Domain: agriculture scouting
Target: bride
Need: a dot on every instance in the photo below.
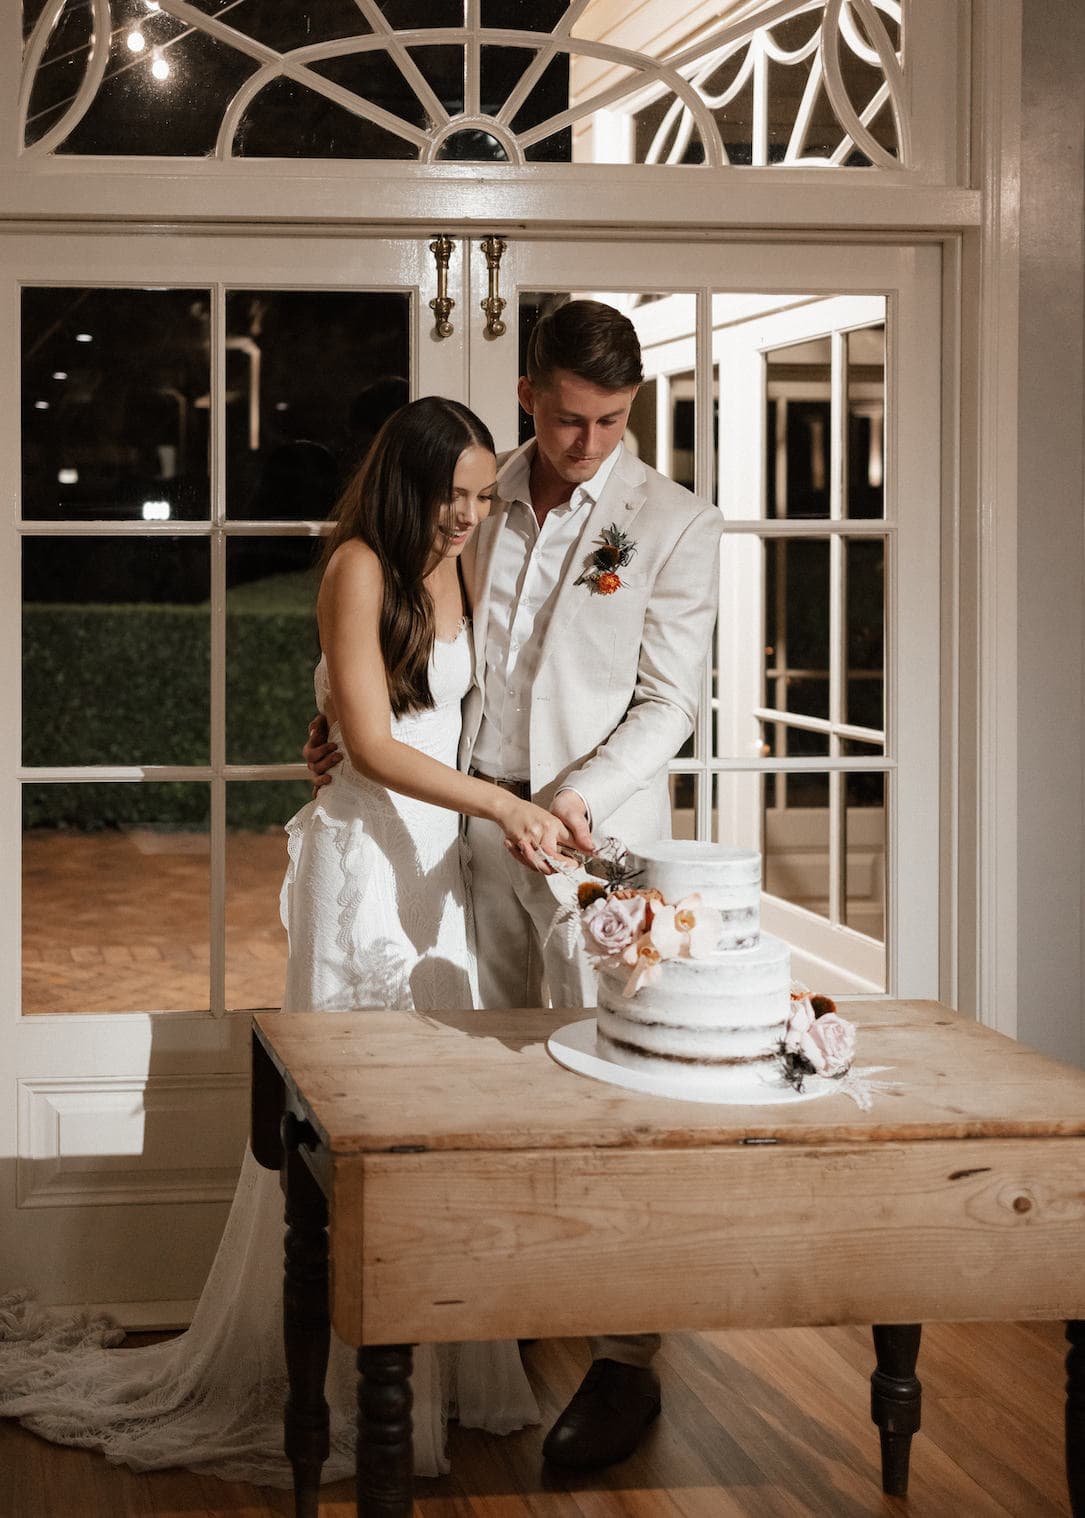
(377, 915)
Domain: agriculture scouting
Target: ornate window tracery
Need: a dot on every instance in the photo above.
(799, 83)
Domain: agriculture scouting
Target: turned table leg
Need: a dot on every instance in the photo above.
(385, 1456)
(1075, 1416)
(895, 1400)
(306, 1328)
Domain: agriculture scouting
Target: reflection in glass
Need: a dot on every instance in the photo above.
(865, 623)
(796, 627)
(115, 898)
(287, 120)
(310, 377)
(116, 651)
(271, 647)
(736, 808)
(114, 404)
(471, 145)
(523, 15)
(865, 848)
(256, 814)
(683, 805)
(62, 67)
(865, 473)
(796, 841)
(798, 434)
(165, 90)
(376, 77)
(299, 24)
(406, 15)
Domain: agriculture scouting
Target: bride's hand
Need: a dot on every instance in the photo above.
(531, 832)
(320, 756)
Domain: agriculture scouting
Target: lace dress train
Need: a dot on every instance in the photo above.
(376, 908)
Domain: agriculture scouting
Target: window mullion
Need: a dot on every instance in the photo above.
(703, 471)
(217, 904)
(838, 455)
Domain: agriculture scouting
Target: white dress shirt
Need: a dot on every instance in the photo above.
(529, 564)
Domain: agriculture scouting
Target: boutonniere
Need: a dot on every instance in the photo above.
(614, 553)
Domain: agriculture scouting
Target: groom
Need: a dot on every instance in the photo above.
(594, 587)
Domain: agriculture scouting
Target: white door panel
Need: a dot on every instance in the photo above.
(714, 311)
(122, 1133)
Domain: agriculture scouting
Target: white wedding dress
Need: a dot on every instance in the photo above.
(376, 908)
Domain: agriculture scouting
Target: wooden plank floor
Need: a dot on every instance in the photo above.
(755, 1425)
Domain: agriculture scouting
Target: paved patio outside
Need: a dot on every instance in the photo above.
(118, 921)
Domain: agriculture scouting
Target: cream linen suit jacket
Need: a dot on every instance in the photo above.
(619, 676)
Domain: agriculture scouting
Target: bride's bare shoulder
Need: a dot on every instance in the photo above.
(353, 557)
(352, 585)
(353, 569)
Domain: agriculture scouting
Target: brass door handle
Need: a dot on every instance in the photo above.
(441, 306)
(493, 305)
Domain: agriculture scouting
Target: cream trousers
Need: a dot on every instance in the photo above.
(524, 961)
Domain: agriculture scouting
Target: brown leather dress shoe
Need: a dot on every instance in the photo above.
(606, 1418)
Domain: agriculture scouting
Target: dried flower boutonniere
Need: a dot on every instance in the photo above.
(613, 553)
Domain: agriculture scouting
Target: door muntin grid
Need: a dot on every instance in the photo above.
(167, 670)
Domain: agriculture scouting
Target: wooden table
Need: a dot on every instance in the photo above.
(478, 1190)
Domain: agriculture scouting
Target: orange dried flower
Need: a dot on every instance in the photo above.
(588, 891)
(607, 583)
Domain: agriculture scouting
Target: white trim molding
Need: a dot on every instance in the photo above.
(987, 958)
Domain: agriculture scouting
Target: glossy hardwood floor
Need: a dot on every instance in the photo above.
(755, 1425)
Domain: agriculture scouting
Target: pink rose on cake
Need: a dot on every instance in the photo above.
(830, 1045)
(817, 1041)
(612, 923)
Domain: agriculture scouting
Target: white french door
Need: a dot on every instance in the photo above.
(799, 387)
(188, 404)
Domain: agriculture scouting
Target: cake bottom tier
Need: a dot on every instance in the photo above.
(662, 1046)
(745, 1073)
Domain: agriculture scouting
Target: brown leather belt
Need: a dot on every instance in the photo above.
(521, 788)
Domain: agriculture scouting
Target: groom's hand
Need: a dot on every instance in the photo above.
(320, 756)
(569, 807)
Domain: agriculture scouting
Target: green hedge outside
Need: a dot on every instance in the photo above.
(129, 684)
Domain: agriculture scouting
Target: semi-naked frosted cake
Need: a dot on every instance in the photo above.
(688, 984)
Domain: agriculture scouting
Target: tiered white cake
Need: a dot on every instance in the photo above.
(712, 1021)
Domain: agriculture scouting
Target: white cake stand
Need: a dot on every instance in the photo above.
(574, 1047)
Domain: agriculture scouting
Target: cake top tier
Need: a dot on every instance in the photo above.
(723, 876)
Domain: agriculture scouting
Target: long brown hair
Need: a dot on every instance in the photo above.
(394, 503)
